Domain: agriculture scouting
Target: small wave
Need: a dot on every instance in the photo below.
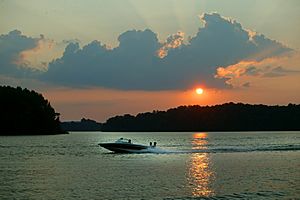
(244, 195)
(281, 148)
(250, 149)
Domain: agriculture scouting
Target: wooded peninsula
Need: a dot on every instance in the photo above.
(25, 112)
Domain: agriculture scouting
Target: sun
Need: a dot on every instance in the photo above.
(199, 91)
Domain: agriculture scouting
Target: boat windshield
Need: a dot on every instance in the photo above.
(123, 140)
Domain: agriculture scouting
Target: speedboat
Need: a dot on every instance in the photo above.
(124, 145)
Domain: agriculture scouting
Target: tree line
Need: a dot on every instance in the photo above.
(225, 117)
(82, 125)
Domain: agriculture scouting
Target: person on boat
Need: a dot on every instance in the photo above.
(121, 140)
(150, 144)
(154, 145)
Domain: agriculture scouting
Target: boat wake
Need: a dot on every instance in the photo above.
(158, 150)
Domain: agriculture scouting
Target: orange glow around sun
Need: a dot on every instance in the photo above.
(199, 91)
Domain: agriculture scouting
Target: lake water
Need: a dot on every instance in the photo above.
(240, 165)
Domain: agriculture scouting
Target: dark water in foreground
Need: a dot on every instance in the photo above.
(245, 165)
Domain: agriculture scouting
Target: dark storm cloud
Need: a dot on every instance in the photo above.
(136, 64)
(11, 45)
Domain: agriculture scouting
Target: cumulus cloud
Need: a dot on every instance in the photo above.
(36, 58)
(173, 41)
(23, 56)
(287, 65)
(132, 64)
(223, 41)
(11, 46)
(141, 62)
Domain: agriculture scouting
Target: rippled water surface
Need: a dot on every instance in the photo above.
(244, 165)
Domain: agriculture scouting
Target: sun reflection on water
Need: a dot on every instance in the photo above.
(200, 172)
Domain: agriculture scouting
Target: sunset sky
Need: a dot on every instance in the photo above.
(101, 58)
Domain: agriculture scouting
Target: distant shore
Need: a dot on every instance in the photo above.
(228, 117)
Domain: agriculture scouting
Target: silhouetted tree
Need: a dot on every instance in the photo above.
(24, 112)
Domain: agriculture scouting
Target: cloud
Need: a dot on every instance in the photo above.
(36, 58)
(279, 71)
(173, 41)
(247, 84)
(11, 45)
(223, 41)
(133, 64)
(24, 56)
(287, 65)
(141, 62)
